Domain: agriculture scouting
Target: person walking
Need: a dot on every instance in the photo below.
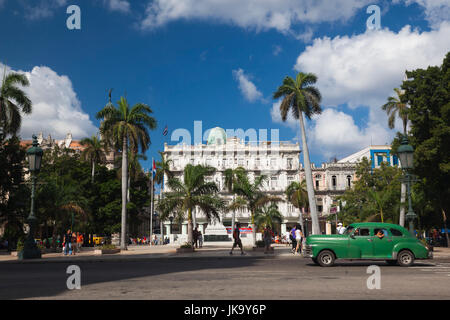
(195, 237)
(67, 244)
(298, 239)
(340, 229)
(267, 239)
(74, 243)
(293, 241)
(200, 239)
(237, 239)
(79, 242)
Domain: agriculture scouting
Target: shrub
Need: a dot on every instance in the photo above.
(108, 247)
(186, 246)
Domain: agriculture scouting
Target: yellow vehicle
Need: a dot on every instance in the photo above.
(98, 240)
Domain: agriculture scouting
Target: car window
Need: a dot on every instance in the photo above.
(396, 233)
(385, 232)
(362, 232)
(348, 230)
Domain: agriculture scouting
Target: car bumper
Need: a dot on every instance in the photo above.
(307, 252)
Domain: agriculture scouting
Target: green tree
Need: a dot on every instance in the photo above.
(300, 96)
(230, 181)
(427, 92)
(268, 216)
(194, 191)
(297, 195)
(95, 152)
(126, 127)
(13, 101)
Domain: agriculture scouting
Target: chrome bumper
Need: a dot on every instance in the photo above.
(307, 252)
(430, 254)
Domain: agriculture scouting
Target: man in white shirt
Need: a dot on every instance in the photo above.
(340, 229)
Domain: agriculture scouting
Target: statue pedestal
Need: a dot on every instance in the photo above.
(216, 231)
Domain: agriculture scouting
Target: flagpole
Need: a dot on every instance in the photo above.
(151, 206)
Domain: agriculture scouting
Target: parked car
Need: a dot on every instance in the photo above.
(394, 244)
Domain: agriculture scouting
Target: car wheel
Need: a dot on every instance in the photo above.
(326, 258)
(391, 262)
(405, 258)
(315, 261)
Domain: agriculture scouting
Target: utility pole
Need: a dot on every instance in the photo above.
(151, 204)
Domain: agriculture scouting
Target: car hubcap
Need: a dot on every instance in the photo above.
(326, 259)
(406, 259)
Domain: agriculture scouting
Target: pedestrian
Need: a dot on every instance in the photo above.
(200, 239)
(292, 238)
(237, 239)
(74, 242)
(298, 238)
(79, 242)
(267, 239)
(340, 229)
(195, 237)
(67, 244)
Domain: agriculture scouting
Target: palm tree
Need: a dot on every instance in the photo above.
(127, 127)
(13, 101)
(194, 191)
(395, 107)
(95, 152)
(230, 180)
(297, 195)
(268, 215)
(299, 96)
(163, 169)
(253, 194)
(134, 168)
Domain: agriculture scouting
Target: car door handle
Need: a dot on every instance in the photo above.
(370, 240)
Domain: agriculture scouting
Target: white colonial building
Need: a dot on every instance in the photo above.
(277, 160)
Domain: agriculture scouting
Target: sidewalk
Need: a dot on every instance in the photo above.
(209, 250)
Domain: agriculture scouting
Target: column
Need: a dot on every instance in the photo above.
(283, 228)
(328, 227)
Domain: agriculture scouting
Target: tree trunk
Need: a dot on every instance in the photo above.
(309, 181)
(444, 216)
(300, 220)
(93, 171)
(402, 205)
(190, 229)
(253, 229)
(123, 240)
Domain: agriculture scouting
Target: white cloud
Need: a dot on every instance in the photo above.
(277, 50)
(276, 116)
(118, 5)
(56, 108)
(436, 11)
(362, 71)
(255, 14)
(248, 88)
(42, 9)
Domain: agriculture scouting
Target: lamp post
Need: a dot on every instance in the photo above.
(406, 155)
(34, 155)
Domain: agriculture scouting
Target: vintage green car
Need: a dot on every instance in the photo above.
(367, 241)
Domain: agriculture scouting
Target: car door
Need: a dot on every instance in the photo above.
(361, 244)
(382, 247)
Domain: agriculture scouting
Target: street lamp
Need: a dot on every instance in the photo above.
(30, 249)
(406, 155)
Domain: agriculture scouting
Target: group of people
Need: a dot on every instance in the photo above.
(296, 237)
(197, 238)
(72, 243)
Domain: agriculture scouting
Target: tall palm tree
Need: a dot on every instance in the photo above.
(395, 107)
(194, 191)
(297, 195)
(163, 169)
(134, 167)
(268, 215)
(300, 96)
(13, 101)
(95, 152)
(254, 195)
(128, 127)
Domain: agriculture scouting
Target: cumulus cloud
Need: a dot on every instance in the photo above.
(255, 14)
(436, 11)
(247, 87)
(56, 108)
(361, 71)
(276, 116)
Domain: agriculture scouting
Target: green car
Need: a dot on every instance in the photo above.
(367, 241)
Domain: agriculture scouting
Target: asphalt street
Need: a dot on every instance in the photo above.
(225, 278)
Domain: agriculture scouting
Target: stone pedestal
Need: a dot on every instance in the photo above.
(216, 231)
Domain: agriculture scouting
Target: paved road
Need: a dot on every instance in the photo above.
(236, 277)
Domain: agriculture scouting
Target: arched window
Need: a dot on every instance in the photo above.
(333, 181)
(349, 181)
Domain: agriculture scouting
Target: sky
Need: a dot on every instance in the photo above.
(219, 62)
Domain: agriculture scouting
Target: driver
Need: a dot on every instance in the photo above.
(380, 234)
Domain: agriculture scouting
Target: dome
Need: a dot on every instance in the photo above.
(217, 136)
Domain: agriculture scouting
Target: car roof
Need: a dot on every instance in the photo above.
(378, 225)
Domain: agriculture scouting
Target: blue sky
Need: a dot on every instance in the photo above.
(219, 62)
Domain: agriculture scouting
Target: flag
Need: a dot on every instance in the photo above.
(166, 131)
(153, 169)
